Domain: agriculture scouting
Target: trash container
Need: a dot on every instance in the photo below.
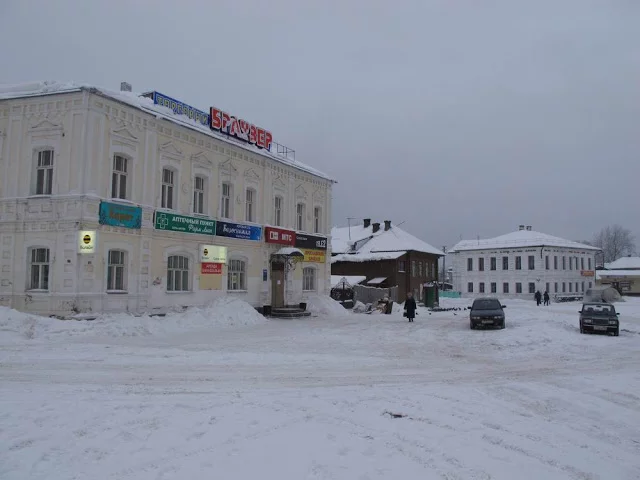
(430, 296)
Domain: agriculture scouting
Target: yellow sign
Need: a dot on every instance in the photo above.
(314, 256)
(213, 254)
(87, 241)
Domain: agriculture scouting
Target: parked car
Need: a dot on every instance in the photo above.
(599, 317)
(486, 312)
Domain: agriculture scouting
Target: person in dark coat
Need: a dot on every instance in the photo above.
(410, 307)
(538, 297)
(546, 298)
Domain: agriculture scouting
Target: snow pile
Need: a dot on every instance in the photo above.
(325, 305)
(222, 312)
(359, 307)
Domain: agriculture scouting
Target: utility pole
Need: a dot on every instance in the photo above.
(444, 266)
(349, 223)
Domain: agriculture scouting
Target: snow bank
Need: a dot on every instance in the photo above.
(359, 307)
(222, 312)
(325, 305)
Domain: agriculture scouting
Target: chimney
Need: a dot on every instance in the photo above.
(521, 227)
(387, 225)
(528, 228)
(367, 222)
(376, 227)
(125, 87)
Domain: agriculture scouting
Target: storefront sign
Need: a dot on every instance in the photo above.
(211, 268)
(179, 107)
(182, 223)
(314, 256)
(238, 230)
(87, 241)
(587, 273)
(304, 240)
(118, 215)
(213, 254)
(279, 236)
(265, 275)
(240, 129)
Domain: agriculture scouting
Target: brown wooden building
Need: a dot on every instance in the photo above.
(387, 256)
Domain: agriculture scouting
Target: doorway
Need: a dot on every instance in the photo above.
(277, 284)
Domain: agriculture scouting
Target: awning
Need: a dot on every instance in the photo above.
(376, 281)
(290, 252)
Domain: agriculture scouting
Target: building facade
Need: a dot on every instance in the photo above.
(520, 263)
(386, 255)
(622, 274)
(113, 202)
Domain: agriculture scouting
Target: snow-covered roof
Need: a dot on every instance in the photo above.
(519, 239)
(366, 244)
(350, 279)
(628, 263)
(617, 273)
(290, 252)
(42, 88)
(366, 257)
(376, 281)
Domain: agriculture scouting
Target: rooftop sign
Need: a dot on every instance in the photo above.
(240, 129)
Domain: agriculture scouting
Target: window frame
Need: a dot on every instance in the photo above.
(37, 168)
(518, 287)
(494, 287)
(301, 214)
(226, 200)
(127, 173)
(168, 191)
(184, 274)
(481, 287)
(531, 262)
(470, 264)
(203, 193)
(402, 266)
(250, 205)
(43, 280)
(115, 266)
(317, 219)
(242, 273)
(470, 287)
(532, 287)
(505, 263)
(305, 278)
(518, 263)
(547, 263)
(278, 207)
(493, 264)
(505, 287)
(481, 264)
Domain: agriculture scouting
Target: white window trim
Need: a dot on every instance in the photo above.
(315, 278)
(320, 226)
(282, 210)
(205, 200)
(303, 227)
(190, 275)
(33, 185)
(255, 204)
(246, 273)
(32, 246)
(129, 184)
(231, 199)
(127, 269)
(174, 190)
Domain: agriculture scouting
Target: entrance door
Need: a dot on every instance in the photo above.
(277, 284)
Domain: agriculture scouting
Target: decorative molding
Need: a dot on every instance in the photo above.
(170, 151)
(279, 184)
(46, 126)
(301, 192)
(251, 176)
(319, 195)
(201, 159)
(228, 168)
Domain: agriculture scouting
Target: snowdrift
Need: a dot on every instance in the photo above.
(222, 312)
(325, 305)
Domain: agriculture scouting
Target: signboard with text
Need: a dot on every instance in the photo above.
(211, 268)
(183, 223)
(279, 236)
(240, 129)
(304, 240)
(87, 241)
(587, 273)
(239, 231)
(118, 215)
(213, 253)
(314, 256)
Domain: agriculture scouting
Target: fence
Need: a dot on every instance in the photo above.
(449, 294)
(366, 294)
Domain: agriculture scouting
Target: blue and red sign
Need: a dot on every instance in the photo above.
(239, 231)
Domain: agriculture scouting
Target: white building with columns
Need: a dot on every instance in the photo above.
(111, 201)
(520, 263)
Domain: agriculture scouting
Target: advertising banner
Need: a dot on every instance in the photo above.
(304, 240)
(211, 268)
(185, 224)
(213, 254)
(279, 236)
(239, 231)
(87, 241)
(118, 215)
(314, 256)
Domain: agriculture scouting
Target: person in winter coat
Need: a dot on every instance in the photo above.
(546, 298)
(538, 297)
(410, 307)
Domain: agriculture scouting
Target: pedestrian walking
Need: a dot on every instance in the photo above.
(538, 297)
(410, 307)
(546, 298)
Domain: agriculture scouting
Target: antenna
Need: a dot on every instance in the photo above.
(349, 223)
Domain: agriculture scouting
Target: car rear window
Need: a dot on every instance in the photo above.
(598, 309)
(486, 305)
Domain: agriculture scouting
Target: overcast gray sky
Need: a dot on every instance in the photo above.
(462, 118)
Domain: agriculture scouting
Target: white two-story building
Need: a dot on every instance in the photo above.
(520, 263)
(112, 201)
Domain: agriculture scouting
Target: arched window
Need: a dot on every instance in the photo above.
(250, 205)
(116, 271)
(200, 195)
(120, 177)
(226, 204)
(300, 217)
(237, 275)
(309, 279)
(39, 266)
(277, 211)
(178, 273)
(169, 181)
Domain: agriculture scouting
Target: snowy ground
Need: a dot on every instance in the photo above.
(306, 399)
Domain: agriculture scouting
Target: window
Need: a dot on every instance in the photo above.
(589, 263)
(44, 173)
(300, 217)
(178, 274)
(564, 263)
(119, 177)
(250, 215)
(413, 268)
(518, 287)
(493, 263)
(518, 262)
(570, 263)
(199, 195)
(481, 287)
(570, 287)
(39, 269)
(494, 287)
(576, 290)
(532, 287)
(308, 279)
(168, 185)
(401, 266)
(532, 262)
(582, 287)
(236, 275)
(555, 262)
(469, 264)
(470, 287)
(564, 287)
(505, 263)
(555, 287)
(546, 263)
(420, 269)
(481, 264)
(582, 263)
(590, 284)
(116, 269)
(505, 287)
(277, 211)
(317, 219)
(225, 200)
(546, 287)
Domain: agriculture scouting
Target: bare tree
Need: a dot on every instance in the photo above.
(615, 242)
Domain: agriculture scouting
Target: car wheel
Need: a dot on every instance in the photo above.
(617, 332)
(581, 330)
(502, 327)
(472, 326)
